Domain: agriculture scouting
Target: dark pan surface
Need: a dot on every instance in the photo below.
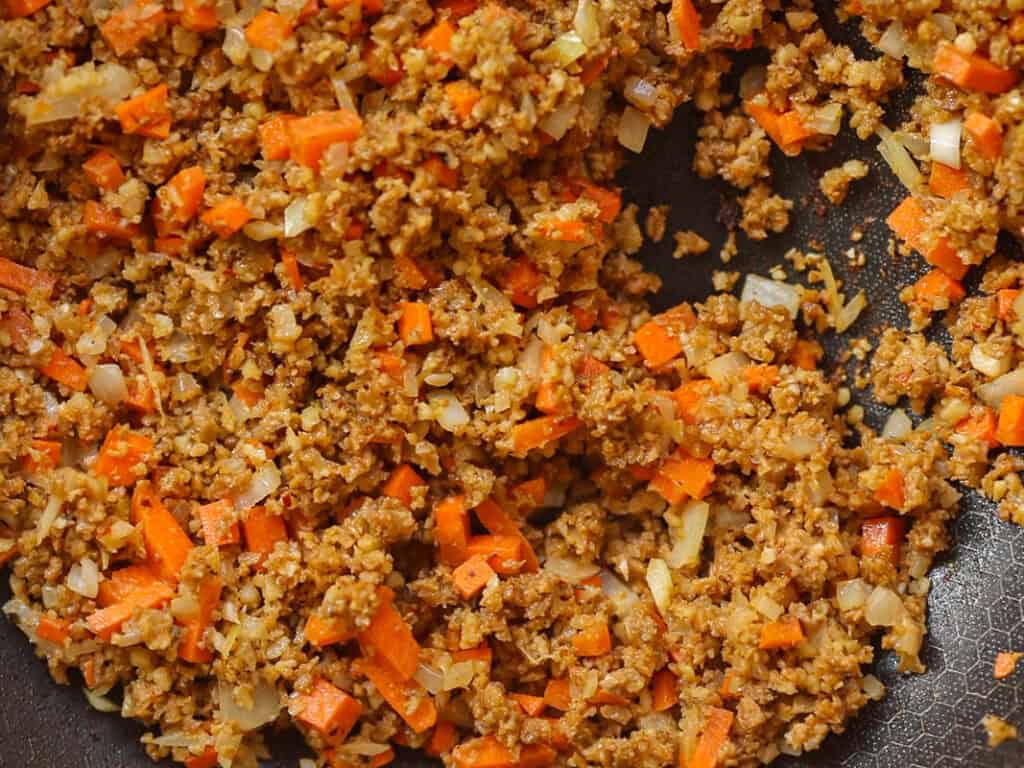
(976, 606)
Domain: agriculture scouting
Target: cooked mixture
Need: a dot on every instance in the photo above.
(331, 397)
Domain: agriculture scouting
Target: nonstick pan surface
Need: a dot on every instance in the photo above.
(976, 605)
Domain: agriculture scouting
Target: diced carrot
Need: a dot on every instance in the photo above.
(986, 134)
(19, 9)
(972, 71)
(178, 201)
(321, 631)
(557, 694)
(382, 758)
(1005, 664)
(456, 9)
(146, 114)
(401, 482)
(891, 492)
(132, 25)
(311, 136)
(414, 324)
(208, 759)
(657, 340)
(399, 694)
(443, 175)
(1005, 299)
(806, 354)
(784, 633)
(439, 39)
(531, 492)
(122, 582)
(585, 318)
(547, 399)
(380, 69)
(771, 120)
(442, 740)
(936, 289)
(167, 545)
(329, 710)
(594, 640)
(521, 282)
(226, 217)
(727, 689)
(531, 705)
(54, 630)
(275, 139)
(43, 455)
(536, 756)
(211, 518)
(172, 245)
(609, 201)
(714, 736)
(792, 130)
(463, 97)
(981, 426)
(106, 621)
(25, 280)
(882, 537)
(606, 698)
(681, 477)
(390, 639)
(483, 752)
(103, 222)
(408, 273)
(946, 181)
(193, 647)
(664, 690)
(481, 654)
(592, 69)
(536, 433)
(268, 30)
(503, 552)
(472, 576)
(1016, 30)
(122, 453)
(1010, 431)
(263, 530)
(103, 170)
(690, 396)
(198, 16)
(563, 231)
(761, 378)
(687, 22)
(451, 529)
(496, 521)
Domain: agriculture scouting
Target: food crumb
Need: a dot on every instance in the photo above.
(654, 224)
(998, 730)
(729, 249)
(835, 182)
(724, 281)
(1006, 664)
(689, 243)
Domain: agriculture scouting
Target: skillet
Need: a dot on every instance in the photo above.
(976, 604)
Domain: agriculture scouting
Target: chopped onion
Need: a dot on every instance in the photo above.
(771, 293)
(874, 689)
(530, 358)
(108, 384)
(266, 704)
(64, 96)
(850, 312)
(100, 703)
(263, 230)
(84, 578)
(945, 143)
(447, 410)
(342, 94)
(688, 534)
(883, 608)
(48, 517)
(633, 128)
(430, 678)
(640, 93)
(1011, 383)
(826, 120)
(558, 123)
(798, 447)
(264, 482)
(899, 160)
(659, 581)
(459, 675)
(184, 386)
(261, 59)
(586, 23)
(569, 569)
(507, 320)
(235, 46)
(726, 367)
(852, 594)
(622, 598)
(945, 24)
(297, 218)
(984, 363)
(917, 145)
(752, 81)
(657, 721)
(898, 426)
(766, 606)
(893, 41)
(567, 48)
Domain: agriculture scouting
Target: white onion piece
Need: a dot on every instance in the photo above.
(1011, 383)
(297, 218)
(850, 312)
(946, 25)
(558, 123)
(530, 358)
(622, 598)
(659, 581)
(447, 410)
(633, 128)
(874, 689)
(430, 678)
(261, 59)
(263, 230)
(84, 578)
(899, 160)
(48, 517)
(826, 120)
(459, 675)
(945, 142)
(917, 145)
(569, 569)
(726, 367)
(108, 384)
(66, 94)
(264, 482)
(898, 426)
(657, 721)
(567, 48)
(688, 534)
(266, 704)
(893, 41)
(984, 363)
(766, 606)
(771, 293)
(883, 608)
(752, 82)
(235, 46)
(342, 94)
(852, 594)
(798, 447)
(640, 93)
(586, 23)
(100, 703)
